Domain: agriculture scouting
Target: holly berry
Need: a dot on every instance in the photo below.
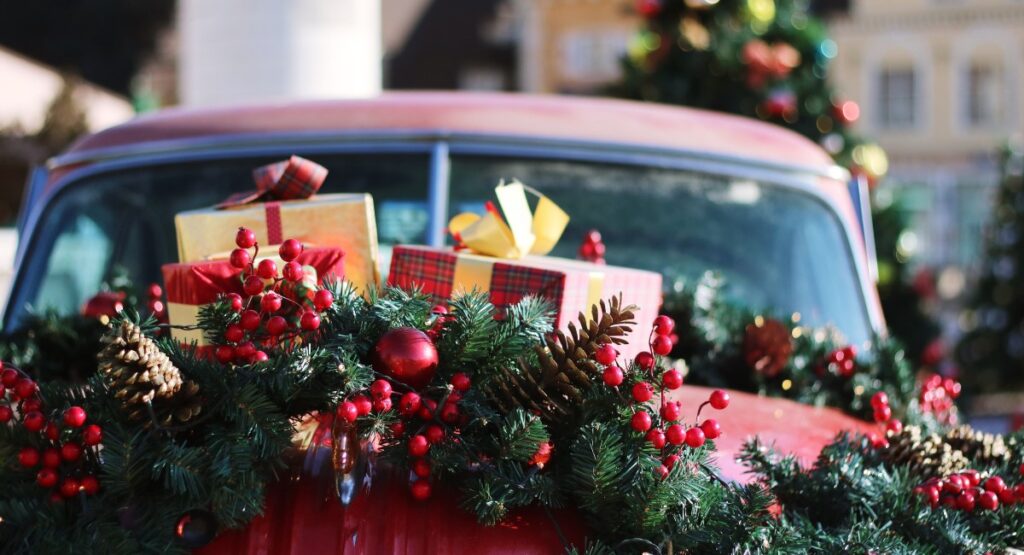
(879, 400)
(69, 487)
(28, 457)
(421, 467)
(382, 405)
(363, 404)
(51, 457)
(662, 471)
(34, 421)
(9, 377)
(894, 426)
(644, 360)
(995, 484)
(883, 414)
(435, 434)
(612, 376)
(74, 417)
(52, 432)
(642, 392)
(672, 379)
(277, 325)
(266, 269)
(1019, 492)
(675, 434)
(70, 452)
(245, 351)
(90, 485)
(427, 409)
(6, 414)
(348, 411)
(46, 478)
(420, 490)
(670, 412)
(878, 441)
(973, 477)
(965, 501)
(260, 356)
(695, 437)
(250, 320)
(719, 399)
(711, 428)
(25, 388)
(245, 238)
(92, 435)
(409, 404)
(29, 405)
(235, 301)
(398, 428)
(290, 250)
(671, 460)
(309, 321)
(988, 501)
(224, 354)
(1007, 497)
(450, 413)
(418, 445)
(293, 271)
(656, 438)
(1021, 469)
(931, 494)
(323, 299)
(271, 302)
(641, 421)
(380, 389)
(662, 345)
(605, 354)
(461, 382)
(240, 258)
(234, 333)
(953, 485)
(663, 325)
(252, 286)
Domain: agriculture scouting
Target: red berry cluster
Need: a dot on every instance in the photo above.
(277, 307)
(966, 491)
(883, 415)
(663, 430)
(840, 362)
(937, 397)
(441, 317)
(59, 447)
(592, 249)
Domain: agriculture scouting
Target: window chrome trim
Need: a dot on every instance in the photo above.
(441, 148)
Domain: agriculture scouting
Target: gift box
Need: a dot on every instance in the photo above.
(190, 285)
(571, 286)
(284, 206)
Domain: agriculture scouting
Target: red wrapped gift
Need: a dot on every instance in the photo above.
(190, 285)
(572, 286)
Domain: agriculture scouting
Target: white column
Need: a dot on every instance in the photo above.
(244, 51)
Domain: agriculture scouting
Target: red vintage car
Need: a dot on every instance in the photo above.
(674, 190)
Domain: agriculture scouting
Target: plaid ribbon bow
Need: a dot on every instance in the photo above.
(294, 178)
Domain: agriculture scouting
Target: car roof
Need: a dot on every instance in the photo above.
(583, 119)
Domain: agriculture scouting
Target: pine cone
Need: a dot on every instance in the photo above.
(767, 346)
(139, 373)
(565, 369)
(926, 457)
(978, 446)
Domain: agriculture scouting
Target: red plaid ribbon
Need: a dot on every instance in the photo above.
(294, 178)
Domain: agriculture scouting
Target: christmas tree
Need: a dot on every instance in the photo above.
(992, 353)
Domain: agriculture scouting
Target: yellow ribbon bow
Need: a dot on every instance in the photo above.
(521, 232)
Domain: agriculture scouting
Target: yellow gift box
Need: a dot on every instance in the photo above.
(344, 221)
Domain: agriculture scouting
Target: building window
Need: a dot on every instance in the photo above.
(897, 101)
(593, 55)
(984, 98)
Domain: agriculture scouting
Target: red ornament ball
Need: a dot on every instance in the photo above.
(675, 434)
(641, 421)
(90, 485)
(418, 445)
(240, 258)
(46, 478)
(92, 435)
(245, 238)
(719, 399)
(348, 411)
(6, 414)
(642, 392)
(662, 345)
(644, 360)
(323, 299)
(988, 501)
(74, 417)
(309, 321)
(271, 302)
(28, 457)
(711, 428)
(71, 452)
(406, 355)
(420, 490)
(663, 325)
(461, 382)
(694, 437)
(51, 457)
(252, 286)
(34, 421)
(612, 376)
(671, 412)
(672, 379)
(605, 354)
(290, 250)
(293, 271)
(656, 438)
